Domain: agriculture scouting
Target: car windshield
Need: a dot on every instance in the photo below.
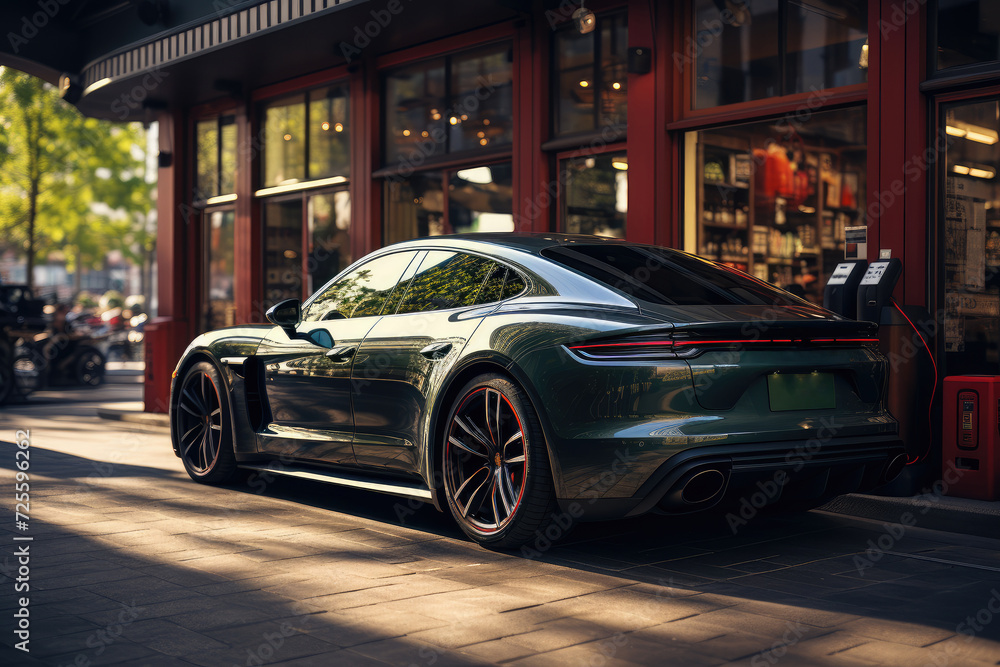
(669, 277)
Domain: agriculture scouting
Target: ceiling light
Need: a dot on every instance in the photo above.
(585, 20)
(960, 169)
(616, 85)
(406, 133)
(982, 173)
(620, 163)
(481, 175)
(982, 135)
(287, 137)
(339, 127)
(584, 83)
(325, 125)
(989, 137)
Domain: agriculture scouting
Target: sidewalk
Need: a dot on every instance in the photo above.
(955, 515)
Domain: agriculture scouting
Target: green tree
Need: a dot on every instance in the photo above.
(69, 185)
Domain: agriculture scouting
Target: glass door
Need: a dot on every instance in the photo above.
(969, 237)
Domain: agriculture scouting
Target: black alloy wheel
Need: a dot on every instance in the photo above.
(201, 426)
(495, 465)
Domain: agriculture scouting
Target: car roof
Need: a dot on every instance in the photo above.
(525, 241)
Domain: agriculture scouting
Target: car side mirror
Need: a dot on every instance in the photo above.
(286, 314)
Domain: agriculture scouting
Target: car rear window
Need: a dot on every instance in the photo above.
(669, 277)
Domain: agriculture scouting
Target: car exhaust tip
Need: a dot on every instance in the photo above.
(893, 468)
(703, 486)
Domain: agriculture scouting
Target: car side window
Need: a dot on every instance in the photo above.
(446, 280)
(361, 293)
(492, 289)
(513, 286)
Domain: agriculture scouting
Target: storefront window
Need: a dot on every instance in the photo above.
(595, 195)
(968, 32)
(295, 263)
(328, 221)
(773, 198)
(220, 273)
(748, 51)
(285, 141)
(215, 158)
(479, 199)
(591, 78)
(970, 238)
(282, 251)
(329, 149)
(454, 104)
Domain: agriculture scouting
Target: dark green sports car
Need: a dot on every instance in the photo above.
(521, 379)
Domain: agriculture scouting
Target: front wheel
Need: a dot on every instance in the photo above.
(201, 426)
(496, 472)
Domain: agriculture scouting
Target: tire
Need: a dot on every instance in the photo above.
(6, 370)
(27, 373)
(90, 367)
(495, 466)
(201, 426)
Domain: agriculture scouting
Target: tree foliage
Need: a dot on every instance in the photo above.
(70, 187)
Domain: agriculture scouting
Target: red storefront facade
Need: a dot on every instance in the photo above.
(298, 135)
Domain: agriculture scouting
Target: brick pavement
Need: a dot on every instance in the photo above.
(132, 563)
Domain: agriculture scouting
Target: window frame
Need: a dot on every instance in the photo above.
(205, 263)
(261, 195)
(446, 160)
(559, 223)
(303, 197)
(689, 117)
(936, 192)
(268, 97)
(951, 77)
(559, 141)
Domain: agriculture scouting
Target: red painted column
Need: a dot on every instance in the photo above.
(249, 283)
(643, 175)
(169, 332)
(535, 190)
(898, 171)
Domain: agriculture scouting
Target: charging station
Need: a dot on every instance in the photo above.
(863, 291)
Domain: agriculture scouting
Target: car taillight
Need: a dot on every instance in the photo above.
(672, 347)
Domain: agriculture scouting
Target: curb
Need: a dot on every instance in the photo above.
(944, 513)
(146, 418)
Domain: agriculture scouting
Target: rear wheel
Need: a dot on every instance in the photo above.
(497, 480)
(90, 367)
(202, 427)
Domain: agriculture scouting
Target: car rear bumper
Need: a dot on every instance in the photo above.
(805, 472)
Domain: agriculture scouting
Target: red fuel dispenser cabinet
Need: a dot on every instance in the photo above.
(972, 435)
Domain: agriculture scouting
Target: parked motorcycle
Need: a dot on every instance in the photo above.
(65, 354)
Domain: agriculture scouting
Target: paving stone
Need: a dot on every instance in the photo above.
(497, 650)
(899, 633)
(119, 652)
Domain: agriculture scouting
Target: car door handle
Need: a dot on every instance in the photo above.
(436, 351)
(341, 352)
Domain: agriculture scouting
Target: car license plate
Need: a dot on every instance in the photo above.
(801, 391)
